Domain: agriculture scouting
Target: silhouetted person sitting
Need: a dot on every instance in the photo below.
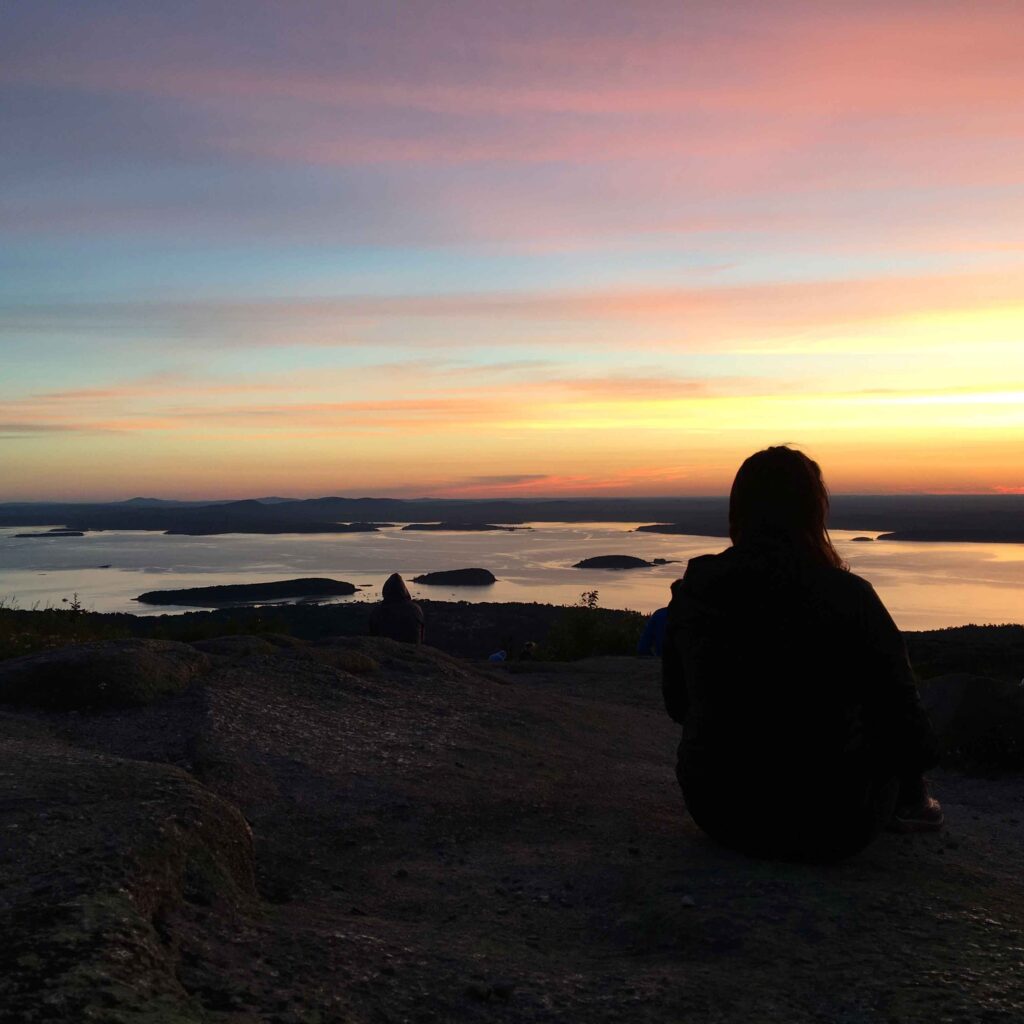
(803, 732)
(397, 616)
(652, 639)
(528, 651)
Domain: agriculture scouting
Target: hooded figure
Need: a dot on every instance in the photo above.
(397, 616)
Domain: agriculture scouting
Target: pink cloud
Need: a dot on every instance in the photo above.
(697, 124)
(869, 58)
(723, 100)
(434, 401)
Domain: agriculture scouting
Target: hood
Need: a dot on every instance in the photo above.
(395, 589)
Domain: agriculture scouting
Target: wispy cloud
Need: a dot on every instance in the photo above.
(699, 318)
(507, 479)
(645, 479)
(15, 430)
(804, 63)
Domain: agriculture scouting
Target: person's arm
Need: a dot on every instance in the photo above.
(645, 645)
(893, 701)
(673, 681)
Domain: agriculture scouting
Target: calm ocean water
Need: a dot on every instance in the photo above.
(925, 586)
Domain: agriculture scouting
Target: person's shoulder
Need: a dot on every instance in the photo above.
(843, 579)
(702, 567)
(844, 589)
(714, 561)
(702, 570)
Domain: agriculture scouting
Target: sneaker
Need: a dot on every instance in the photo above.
(925, 816)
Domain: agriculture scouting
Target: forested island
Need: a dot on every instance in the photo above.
(463, 527)
(245, 593)
(614, 562)
(457, 578)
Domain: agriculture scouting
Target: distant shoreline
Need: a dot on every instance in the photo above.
(977, 518)
(923, 536)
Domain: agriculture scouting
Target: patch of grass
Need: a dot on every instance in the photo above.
(104, 674)
(188, 627)
(25, 631)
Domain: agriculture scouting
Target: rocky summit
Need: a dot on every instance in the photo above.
(355, 830)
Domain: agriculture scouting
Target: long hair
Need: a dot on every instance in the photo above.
(779, 498)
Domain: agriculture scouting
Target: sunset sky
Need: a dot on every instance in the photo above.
(508, 248)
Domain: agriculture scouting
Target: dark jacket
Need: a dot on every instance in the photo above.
(776, 669)
(397, 616)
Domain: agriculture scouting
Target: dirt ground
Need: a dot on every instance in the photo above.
(436, 840)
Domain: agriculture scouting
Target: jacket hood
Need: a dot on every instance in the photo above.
(395, 589)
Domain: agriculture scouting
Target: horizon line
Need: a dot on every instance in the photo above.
(277, 499)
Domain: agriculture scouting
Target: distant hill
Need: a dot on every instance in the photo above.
(907, 517)
(165, 503)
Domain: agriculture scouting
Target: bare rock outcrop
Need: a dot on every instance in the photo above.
(101, 674)
(115, 874)
(436, 840)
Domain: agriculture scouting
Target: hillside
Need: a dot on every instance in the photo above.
(435, 841)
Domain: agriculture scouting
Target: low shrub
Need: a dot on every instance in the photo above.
(587, 631)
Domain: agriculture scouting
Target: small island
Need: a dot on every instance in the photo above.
(214, 529)
(463, 527)
(247, 593)
(53, 533)
(457, 578)
(863, 539)
(614, 562)
(662, 528)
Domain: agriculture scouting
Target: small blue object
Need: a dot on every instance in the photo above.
(498, 656)
(653, 639)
